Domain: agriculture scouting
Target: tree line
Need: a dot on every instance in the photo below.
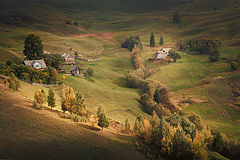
(202, 46)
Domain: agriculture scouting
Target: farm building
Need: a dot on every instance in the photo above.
(162, 54)
(69, 59)
(37, 64)
(75, 71)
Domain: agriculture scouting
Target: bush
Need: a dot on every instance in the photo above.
(35, 104)
(14, 83)
(214, 55)
(75, 23)
(234, 66)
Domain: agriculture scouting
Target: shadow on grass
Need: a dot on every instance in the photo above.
(89, 127)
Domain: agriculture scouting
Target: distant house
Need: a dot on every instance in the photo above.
(69, 59)
(75, 71)
(37, 64)
(162, 54)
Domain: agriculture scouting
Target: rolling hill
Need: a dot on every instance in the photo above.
(103, 26)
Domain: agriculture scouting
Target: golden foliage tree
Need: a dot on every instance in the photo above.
(39, 97)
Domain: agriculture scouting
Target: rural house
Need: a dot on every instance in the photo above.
(75, 71)
(37, 64)
(69, 59)
(162, 54)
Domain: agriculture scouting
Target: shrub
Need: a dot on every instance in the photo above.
(234, 66)
(75, 23)
(35, 104)
(214, 55)
(218, 143)
(14, 83)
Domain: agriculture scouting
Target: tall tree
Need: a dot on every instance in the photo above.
(161, 42)
(51, 99)
(152, 40)
(33, 48)
(39, 97)
(80, 106)
(176, 18)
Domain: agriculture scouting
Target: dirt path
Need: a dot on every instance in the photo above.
(26, 133)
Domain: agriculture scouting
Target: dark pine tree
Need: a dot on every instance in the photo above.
(33, 48)
(51, 99)
(152, 40)
(161, 41)
(176, 18)
(103, 120)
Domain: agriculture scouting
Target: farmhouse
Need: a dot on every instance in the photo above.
(69, 59)
(162, 54)
(75, 71)
(37, 64)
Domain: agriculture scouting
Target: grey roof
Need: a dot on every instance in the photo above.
(32, 62)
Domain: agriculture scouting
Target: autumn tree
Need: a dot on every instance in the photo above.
(33, 48)
(152, 40)
(39, 97)
(69, 99)
(55, 75)
(51, 99)
(63, 77)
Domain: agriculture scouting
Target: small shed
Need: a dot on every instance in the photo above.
(75, 71)
(37, 64)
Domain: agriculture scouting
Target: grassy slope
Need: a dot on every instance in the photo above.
(30, 134)
(108, 89)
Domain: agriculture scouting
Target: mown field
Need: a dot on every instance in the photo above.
(109, 88)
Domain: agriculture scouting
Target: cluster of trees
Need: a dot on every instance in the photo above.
(152, 40)
(180, 137)
(33, 48)
(172, 137)
(54, 60)
(131, 42)
(174, 56)
(71, 102)
(202, 46)
(48, 76)
(74, 103)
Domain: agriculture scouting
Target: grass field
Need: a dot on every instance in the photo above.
(195, 77)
